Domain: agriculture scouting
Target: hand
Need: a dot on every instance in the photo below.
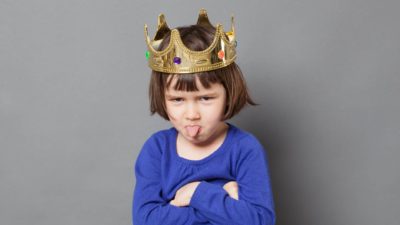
(232, 188)
(184, 194)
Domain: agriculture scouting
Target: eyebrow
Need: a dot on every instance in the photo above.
(205, 94)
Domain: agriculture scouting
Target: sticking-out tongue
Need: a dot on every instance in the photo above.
(193, 130)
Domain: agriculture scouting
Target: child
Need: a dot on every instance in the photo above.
(202, 170)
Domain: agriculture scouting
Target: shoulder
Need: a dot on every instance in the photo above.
(248, 151)
(246, 142)
(157, 141)
(160, 136)
(245, 138)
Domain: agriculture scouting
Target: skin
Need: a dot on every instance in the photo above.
(204, 108)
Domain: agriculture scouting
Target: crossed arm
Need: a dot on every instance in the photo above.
(185, 193)
(208, 202)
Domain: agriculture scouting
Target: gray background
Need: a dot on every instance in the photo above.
(74, 108)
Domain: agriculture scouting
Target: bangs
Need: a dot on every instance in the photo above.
(187, 82)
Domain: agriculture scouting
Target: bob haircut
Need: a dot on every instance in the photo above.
(198, 38)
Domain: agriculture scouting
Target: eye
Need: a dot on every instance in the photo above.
(206, 98)
(176, 99)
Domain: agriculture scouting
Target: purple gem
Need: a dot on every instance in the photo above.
(177, 60)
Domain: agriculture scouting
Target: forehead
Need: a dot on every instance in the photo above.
(214, 87)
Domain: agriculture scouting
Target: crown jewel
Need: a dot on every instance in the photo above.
(177, 58)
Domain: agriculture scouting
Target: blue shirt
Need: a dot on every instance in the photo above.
(160, 172)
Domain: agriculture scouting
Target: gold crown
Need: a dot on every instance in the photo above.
(177, 58)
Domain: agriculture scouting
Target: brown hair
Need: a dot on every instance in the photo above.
(198, 38)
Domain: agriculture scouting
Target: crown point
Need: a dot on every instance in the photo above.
(162, 29)
(203, 20)
(220, 27)
(146, 33)
(161, 20)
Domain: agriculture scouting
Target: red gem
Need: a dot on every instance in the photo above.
(221, 54)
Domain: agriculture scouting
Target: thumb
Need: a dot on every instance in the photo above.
(175, 203)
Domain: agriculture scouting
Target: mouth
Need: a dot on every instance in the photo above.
(193, 130)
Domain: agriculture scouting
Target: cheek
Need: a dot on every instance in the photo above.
(172, 117)
(222, 106)
(173, 114)
(214, 112)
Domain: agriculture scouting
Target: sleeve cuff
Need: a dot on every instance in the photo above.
(200, 198)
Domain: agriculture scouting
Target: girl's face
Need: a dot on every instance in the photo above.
(196, 115)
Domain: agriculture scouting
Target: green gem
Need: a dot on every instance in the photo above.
(147, 55)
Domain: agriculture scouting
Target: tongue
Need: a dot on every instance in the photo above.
(193, 130)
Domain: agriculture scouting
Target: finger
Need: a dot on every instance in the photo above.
(176, 203)
(227, 185)
(234, 184)
(173, 202)
(232, 188)
(231, 184)
(233, 192)
(235, 195)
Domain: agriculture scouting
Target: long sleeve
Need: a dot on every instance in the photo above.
(255, 205)
(149, 208)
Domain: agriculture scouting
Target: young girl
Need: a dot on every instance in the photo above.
(202, 170)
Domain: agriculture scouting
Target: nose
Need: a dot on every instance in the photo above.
(192, 113)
